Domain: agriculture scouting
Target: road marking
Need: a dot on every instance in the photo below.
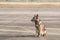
(31, 31)
(28, 29)
(53, 28)
(53, 33)
(9, 30)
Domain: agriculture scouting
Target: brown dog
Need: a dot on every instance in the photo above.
(40, 29)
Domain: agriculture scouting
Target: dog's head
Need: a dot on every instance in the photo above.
(34, 18)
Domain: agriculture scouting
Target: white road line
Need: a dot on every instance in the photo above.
(30, 3)
(31, 31)
(28, 30)
(53, 28)
(8, 30)
(53, 33)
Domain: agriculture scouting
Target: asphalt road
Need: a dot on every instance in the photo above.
(15, 23)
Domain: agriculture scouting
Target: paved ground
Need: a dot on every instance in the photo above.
(15, 23)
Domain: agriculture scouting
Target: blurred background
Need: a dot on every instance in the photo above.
(30, 0)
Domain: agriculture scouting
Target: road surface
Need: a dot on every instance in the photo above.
(15, 23)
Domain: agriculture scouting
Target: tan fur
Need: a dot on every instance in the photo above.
(41, 28)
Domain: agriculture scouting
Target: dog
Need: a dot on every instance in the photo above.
(40, 29)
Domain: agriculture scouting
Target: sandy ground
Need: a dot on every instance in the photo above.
(29, 5)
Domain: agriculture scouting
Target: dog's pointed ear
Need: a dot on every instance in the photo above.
(37, 15)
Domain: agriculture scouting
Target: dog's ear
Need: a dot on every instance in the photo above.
(37, 15)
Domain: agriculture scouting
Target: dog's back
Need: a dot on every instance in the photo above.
(43, 31)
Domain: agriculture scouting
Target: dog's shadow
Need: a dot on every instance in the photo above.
(18, 36)
(26, 36)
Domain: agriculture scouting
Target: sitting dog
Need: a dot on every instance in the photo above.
(40, 29)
